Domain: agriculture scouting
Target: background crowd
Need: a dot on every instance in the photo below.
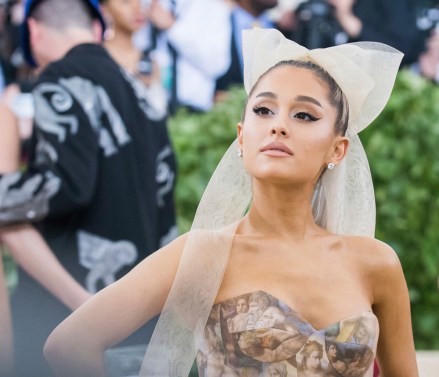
(181, 58)
(194, 45)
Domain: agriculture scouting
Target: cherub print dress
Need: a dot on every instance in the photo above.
(257, 335)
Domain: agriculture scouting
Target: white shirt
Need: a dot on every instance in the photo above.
(201, 36)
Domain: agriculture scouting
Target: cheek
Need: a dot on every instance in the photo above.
(252, 134)
(313, 146)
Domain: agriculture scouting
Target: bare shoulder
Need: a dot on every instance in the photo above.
(380, 265)
(372, 252)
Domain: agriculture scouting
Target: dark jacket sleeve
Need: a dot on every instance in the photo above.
(62, 171)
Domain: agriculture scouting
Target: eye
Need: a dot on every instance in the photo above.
(306, 117)
(262, 110)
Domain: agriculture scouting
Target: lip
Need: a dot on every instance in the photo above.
(139, 20)
(276, 149)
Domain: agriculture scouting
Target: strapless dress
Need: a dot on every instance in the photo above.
(257, 335)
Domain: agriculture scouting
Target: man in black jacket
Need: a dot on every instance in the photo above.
(100, 181)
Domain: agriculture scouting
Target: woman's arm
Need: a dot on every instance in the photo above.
(32, 253)
(76, 346)
(9, 140)
(10, 151)
(6, 348)
(396, 351)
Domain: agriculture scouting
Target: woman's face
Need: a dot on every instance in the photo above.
(126, 15)
(332, 351)
(288, 135)
(313, 361)
(241, 306)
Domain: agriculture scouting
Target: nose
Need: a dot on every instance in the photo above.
(279, 130)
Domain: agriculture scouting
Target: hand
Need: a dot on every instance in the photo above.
(342, 6)
(287, 20)
(160, 17)
(351, 24)
(428, 64)
(433, 45)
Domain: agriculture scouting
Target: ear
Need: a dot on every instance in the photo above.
(97, 31)
(339, 150)
(34, 31)
(239, 129)
(105, 11)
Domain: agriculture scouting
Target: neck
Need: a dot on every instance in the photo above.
(64, 42)
(281, 211)
(123, 51)
(122, 40)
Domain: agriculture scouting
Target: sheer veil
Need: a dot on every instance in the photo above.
(343, 202)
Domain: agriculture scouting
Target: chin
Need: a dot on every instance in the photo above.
(273, 169)
(280, 175)
(271, 176)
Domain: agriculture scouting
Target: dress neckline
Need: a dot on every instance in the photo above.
(301, 317)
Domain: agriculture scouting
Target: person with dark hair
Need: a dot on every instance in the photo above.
(289, 212)
(125, 18)
(335, 357)
(7, 70)
(100, 179)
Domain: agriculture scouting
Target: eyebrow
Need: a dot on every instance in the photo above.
(299, 98)
(267, 94)
(308, 99)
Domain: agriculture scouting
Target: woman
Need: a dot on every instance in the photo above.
(125, 18)
(312, 354)
(310, 186)
(334, 356)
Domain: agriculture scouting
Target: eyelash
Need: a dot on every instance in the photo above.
(259, 110)
(264, 111)
(312, 118)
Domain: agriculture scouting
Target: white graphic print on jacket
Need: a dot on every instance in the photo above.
(104, 258)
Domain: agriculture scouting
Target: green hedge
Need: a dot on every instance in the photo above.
(403, 149)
